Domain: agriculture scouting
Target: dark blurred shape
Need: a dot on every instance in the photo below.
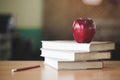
(22, 48)
(116, 52)
(5, 46)
(6, 23)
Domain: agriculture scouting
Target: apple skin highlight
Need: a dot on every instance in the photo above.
(83, 30)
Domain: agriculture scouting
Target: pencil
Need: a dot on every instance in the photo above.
(25, 68)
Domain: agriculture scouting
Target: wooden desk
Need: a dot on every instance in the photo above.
(110, 72)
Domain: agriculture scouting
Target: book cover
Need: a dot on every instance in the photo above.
(74, 46)
(61, 64)
(75, 56)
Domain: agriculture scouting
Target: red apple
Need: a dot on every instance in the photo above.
(83, 30)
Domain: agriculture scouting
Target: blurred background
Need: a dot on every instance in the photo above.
(24, 23)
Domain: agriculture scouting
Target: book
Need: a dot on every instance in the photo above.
(61, 64)
(75, 56)
(74, 46)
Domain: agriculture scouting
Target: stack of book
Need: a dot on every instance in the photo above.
(73, 55)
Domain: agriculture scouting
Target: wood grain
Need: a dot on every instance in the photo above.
(109, 72)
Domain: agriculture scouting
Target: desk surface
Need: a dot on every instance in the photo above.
(111, 71)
